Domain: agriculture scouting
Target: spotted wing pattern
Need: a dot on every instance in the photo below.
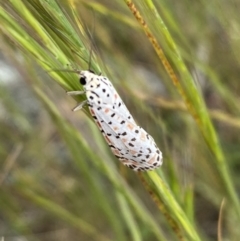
(130, 143)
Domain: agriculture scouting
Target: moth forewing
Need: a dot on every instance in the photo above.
(130, 143)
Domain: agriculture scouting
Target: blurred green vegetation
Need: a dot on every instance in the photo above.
(58, 178)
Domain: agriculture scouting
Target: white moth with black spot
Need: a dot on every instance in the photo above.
(130, 143)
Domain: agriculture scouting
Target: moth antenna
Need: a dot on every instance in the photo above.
(91, 41)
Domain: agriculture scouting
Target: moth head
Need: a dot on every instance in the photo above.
(86, 76)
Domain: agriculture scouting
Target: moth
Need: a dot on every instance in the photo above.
(130, 143)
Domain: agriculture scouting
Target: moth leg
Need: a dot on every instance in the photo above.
(80, 106)
(76, 92)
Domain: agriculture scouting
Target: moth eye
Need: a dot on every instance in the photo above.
(83, 80)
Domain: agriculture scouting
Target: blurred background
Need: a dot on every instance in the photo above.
(58, 178)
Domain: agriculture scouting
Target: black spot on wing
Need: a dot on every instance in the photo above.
(93, 92)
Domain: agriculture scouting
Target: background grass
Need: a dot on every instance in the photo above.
(175, 64)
